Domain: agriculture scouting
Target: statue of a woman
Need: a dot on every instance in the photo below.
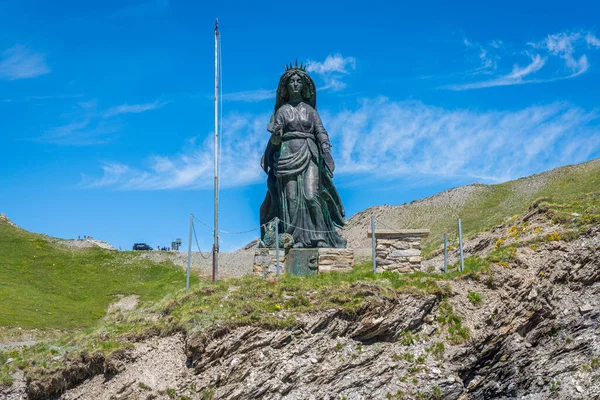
(300, 168)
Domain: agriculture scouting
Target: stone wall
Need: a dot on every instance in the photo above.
(328, 260)
(339, 260)
(265, 262)
(400, 250)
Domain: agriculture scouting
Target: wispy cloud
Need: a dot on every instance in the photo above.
(560, 46)
(250, 96)
(244, 139)
(380, 139)
(88, 125)
(410, 138)
(516, 77)
(86, 132)
(332, 70)
(134, 108)
(19, 62)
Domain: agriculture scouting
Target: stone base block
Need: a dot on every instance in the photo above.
(265, 262)
(302, 262)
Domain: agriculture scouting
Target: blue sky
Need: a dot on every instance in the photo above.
(106, 108)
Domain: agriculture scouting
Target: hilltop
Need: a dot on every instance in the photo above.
(479, 206)
(49, 283)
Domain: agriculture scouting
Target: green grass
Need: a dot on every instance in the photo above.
(229, 304)
(474, 297)
(46, 285)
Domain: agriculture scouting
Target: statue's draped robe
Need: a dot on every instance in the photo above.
(301, 191)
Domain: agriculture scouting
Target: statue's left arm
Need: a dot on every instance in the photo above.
(324, 143)
(321, 134)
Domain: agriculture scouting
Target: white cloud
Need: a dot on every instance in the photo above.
(332, 70)
(563, 46)
(134, 108)
(333, 63)
(382, 139)
(19, 62)
(592, 40)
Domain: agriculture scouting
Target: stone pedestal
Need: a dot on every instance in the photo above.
(399, 250)
(303, 261)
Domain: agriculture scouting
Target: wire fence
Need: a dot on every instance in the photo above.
(449, 237)
(198, 245)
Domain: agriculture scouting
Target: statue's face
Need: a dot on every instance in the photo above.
(295, 84)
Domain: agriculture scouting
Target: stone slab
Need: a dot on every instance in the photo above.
(399, 233)
(405, 253)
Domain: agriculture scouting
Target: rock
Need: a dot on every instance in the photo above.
(585, 308)
(405, 253)
(401, 245)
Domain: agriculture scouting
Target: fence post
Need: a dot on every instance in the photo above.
(460, 243)
(445, 253)
(277, 245)
(373, 244)
(187, 276)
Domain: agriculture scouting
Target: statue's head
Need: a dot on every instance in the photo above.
(294, 86)
(296, 80)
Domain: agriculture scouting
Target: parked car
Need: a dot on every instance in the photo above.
(141, 246)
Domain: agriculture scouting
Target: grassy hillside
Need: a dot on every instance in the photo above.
(479, 206)
(44, 284)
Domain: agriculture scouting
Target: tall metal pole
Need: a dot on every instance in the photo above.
(187, 276)
(445, 253)
(277, 245)
(373, 243)
(460, 244)
(216, 157)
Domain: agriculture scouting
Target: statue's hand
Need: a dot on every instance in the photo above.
(275, 140)
(326, 147)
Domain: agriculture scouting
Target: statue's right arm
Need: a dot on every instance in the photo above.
(276, 127)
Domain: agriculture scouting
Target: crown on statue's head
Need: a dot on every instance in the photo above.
(300, 67)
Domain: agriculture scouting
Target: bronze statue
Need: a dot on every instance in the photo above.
(300, 168)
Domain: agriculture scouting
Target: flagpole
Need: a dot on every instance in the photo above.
(216, 228)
